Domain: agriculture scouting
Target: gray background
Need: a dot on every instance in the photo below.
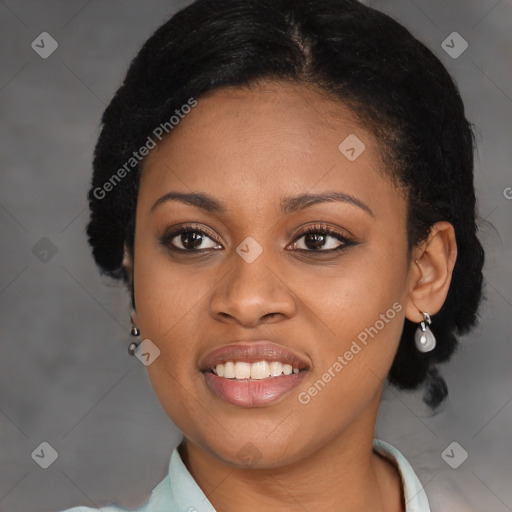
(65, 376)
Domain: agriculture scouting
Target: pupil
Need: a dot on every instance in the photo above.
(314, 240)
(191, 239)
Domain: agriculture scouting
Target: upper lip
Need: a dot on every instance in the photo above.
(251, 352)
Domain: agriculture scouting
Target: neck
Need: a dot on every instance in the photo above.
(343, 474)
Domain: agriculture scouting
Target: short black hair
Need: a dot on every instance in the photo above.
(393, 84)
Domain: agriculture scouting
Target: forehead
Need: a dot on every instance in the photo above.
(288, 114)
(256, 143)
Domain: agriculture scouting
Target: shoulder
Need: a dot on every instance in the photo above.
(178, 491)
(108, 508)
(446, 491)
(161, 500)
(414, 493)
(88, 509)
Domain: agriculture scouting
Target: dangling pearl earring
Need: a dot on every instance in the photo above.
(133, 346)
(424, 339)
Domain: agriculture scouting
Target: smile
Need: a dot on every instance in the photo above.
(255, 371)
(252, 374)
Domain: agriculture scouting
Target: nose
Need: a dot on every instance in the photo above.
(251, 294)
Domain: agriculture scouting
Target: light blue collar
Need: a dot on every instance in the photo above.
(415, 497)
(187, 496)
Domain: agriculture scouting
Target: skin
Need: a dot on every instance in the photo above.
(248, 149)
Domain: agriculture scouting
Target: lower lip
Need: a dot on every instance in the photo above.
(252, 393)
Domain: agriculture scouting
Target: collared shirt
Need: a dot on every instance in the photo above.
(179, 492)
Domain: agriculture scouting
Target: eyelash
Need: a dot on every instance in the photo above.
(326, 231)
(166, 239)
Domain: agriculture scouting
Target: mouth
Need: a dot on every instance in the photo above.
(252, 374)
(242, 370)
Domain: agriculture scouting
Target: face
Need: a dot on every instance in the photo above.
(296, 254)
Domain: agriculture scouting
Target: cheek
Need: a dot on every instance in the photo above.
(360, 311)
(165, 292)
(167, 298)
(353, 361)
(366, 283)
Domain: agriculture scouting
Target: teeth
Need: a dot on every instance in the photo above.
(256, 371)
(276, 368)
(287, 369)
(242, 370)
(229, 370)
(259, 370)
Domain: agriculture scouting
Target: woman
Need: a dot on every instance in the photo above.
(287, 190)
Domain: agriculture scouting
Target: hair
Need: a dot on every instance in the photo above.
(396, 87)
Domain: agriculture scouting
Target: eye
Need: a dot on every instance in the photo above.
(321, 238)
(318, 238)
(190, 239)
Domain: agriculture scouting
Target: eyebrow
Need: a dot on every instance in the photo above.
(288, 204)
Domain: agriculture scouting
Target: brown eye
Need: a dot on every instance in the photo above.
(189, 239)
(315, 240)
(321, 240)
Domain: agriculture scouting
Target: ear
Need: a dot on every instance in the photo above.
(127, 264)
(431, 272)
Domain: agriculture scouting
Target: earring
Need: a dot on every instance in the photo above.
(133, 345)
(424, 339)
